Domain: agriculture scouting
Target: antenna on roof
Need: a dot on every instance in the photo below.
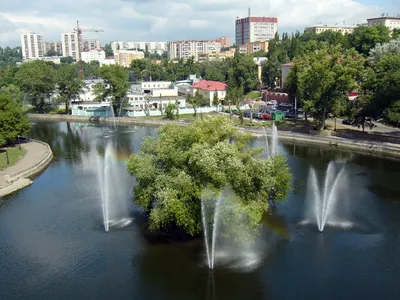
(249, 12)
(383, 15)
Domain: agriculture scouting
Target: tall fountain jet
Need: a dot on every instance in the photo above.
(115, 208)
(271, 148)
(322, 206)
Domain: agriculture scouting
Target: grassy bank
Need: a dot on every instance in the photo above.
(14, 155)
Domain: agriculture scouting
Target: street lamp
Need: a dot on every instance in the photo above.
(19, 144)
(8, 161)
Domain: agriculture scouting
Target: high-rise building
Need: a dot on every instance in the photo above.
(253, 29)
(56, 46)
(70, 45)
(93, 55)
(225, 42)
(188, 49)
(90, 45)
(32, 45)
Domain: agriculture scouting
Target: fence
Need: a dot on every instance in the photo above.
(182, 111)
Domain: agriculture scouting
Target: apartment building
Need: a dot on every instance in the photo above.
(253, 47)
(93, 55)
(225, 42)
(32, 45)
(390, 22)
(316, 29)
(188, 49)
(152, 47)
(88, 45)
(252, 29)
(70, 45)
(222, 55)
(125, 57)
(56, 46)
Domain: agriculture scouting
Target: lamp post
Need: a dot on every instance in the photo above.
(8, 161)
(19, 144)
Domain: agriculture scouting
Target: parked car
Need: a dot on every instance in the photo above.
(347, 122)
(265, 116)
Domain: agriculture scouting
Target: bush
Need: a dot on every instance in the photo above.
(391, 115)
(170, 111)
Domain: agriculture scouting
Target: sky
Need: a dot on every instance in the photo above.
(169, 20)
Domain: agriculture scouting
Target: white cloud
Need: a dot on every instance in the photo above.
(168, 19)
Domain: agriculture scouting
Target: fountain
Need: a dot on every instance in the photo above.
(322, 208)
(219, 246)
(271, 151)
(113, 201)
(113, 117)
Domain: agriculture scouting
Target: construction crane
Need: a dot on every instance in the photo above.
(80, 41)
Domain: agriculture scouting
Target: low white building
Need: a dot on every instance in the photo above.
(53, 59)
(147, 86)
(208, 89)
(390, 22)
(87, 94)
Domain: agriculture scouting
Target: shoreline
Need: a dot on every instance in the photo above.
(37, 158)
(381, 149)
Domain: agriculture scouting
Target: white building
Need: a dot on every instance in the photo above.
(253, 29)
(153, 47)
(208, 89)
(188, 49)
(32, 45)
(93, 55)
(70, 45)
(316, 29)
(54, 59)
(390, 22)
(148, 86)
(87, 94)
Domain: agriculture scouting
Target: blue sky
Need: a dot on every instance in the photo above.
(166, 20)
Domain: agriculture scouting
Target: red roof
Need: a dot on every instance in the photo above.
(209, 85)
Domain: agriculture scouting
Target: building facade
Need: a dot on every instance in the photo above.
(32, 45)
(390, 22)
(253, 29)
(222, 55)
(316, 29)
(188, 49)
(152, 47)
(93, 55)
(125, 57)
(253, 47)
(225, 42)
(70, 45)
(208, 89)
(56, 46)
(88, 45)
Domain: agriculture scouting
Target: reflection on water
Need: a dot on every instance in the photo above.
(52, 244)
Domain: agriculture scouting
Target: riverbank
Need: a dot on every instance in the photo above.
(361, 145)
(38, 156)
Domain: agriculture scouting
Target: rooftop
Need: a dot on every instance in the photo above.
(209, 85)
(384, 18)
(332, 26)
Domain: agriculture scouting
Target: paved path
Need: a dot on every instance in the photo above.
(380, 128)
(34, 154)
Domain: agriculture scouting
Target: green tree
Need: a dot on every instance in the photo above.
(215, 100)
(170, 111)
(51, 52)
(396, 33)
(174, 171)
(12, 121)
(197, 101)
(68, 84)
(10, 56)
(116, 84)
(325, 77)
(36, 79)
(391, 115)
(14, 92)
(364, 38)
(67, 60)
(108, 50)
(235, 96)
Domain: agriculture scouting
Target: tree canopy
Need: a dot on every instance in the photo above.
(173, 170)
(12, 121)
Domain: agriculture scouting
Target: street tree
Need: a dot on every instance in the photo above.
(173, 170)
(36, 79)
(325, 77)
(364, 38)
(114, 86)
(13, 122)
(68, 84)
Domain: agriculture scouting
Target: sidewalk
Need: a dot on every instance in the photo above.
(36, 152)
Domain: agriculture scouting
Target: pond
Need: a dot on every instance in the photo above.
(53, 244)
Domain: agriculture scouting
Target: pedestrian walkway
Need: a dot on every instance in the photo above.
(36, 152)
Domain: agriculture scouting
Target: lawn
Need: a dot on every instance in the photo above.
(14, 154)
(253, 95)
